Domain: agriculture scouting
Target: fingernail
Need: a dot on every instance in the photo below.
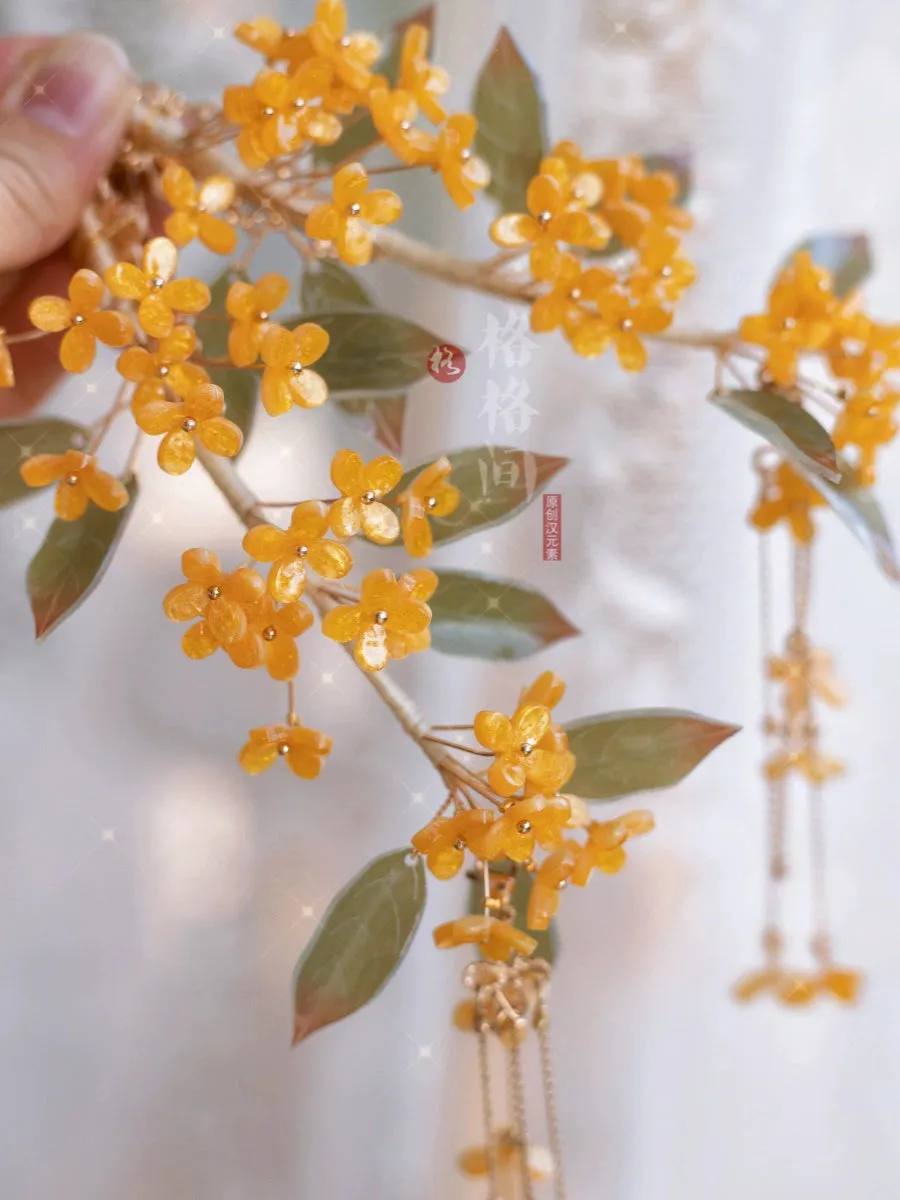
(71, 85)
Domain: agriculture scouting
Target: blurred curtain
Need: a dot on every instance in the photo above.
(155, 900)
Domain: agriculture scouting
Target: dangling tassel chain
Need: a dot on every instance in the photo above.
(804, 676)
(510, 995)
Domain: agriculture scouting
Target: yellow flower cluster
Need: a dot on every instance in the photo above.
(256, 620)
(318, 78)
(800, 988)
(575, 208)
(805, 317)
(531, 763)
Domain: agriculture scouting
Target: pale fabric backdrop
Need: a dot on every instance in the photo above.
(154, 900)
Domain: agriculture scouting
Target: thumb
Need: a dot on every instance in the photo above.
(63, 106)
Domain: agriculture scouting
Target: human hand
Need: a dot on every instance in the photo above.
(63, 106)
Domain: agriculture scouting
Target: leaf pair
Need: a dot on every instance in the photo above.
(368, 929)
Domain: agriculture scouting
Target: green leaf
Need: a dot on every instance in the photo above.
(371, 351)
(547, 939)
(21, 439)
(360, 133)
(475, 615)
(329, 287)
(241, 387)
(860, 512)
(786, 425)
(72, 560)
(625, 752)
(511, 136)
(847, 256)
(380, 416)
(496, 482)
(360, 942)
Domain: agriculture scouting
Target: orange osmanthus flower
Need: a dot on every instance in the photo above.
(165, 370)
(362, 485)
(290, 551)
(429, 495)
(287, 379)
(344, 220)
(302, 749)
(197, 417)
(196, 207)
(84, 321)
(386, 607)
(250, 305)
(159, 296)
(80, 481)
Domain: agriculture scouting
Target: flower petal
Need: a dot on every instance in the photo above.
(354, 243)
(266, 543)
(181, 227)
(544, 195)
(342, 623)
(282, 657)
(278, 348)
(276, 392)
(186, 295)
(154, 415)
(178, 186)
(176, 452)
(287, 580)
(256, 757)
(248, 652)
(105, 490)
(198, 641)
(216, 193)
(304, 764)
(514, 229)
(244, 585)
(186, 601)
(220, 436)
(85, 291)
(160, 258)
(324, 223)
(311, 341)
(201, 566)
(506, 775)
(371, 649)
(379, 523)
(155, 317)
(309, 520)
(243, 343)
(217, 235)
(112, 328)
(308, 389)
(380, 207)
(330, 559)
(350, 184)
(50, 313)
(43, 469)
(70, 500)
(345, 517)
(493, 730)
(271, 292)
(126, 281)
(227, 620)
(77, 349)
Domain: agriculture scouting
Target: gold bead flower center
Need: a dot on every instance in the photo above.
(71, 480)
(354, 210)
(524, 826)
(526, 748)
(157, 281)
(284, 748)
(263, 316)
(381, 617)
(430, 502)
(78, 320)
(214, 592)
(666, 272)
(627, 324)
(544, 219)
(302, 551)
(296, 367)
(270, 633)
(189, 425)
(368, 497)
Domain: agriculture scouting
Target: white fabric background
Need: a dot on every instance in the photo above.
(144, 1000)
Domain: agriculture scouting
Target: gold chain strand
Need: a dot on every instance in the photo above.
(821, 940)
(517, 1107)
(802, 572)
(484, 1071)
(542, 1025)
(775, 833)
